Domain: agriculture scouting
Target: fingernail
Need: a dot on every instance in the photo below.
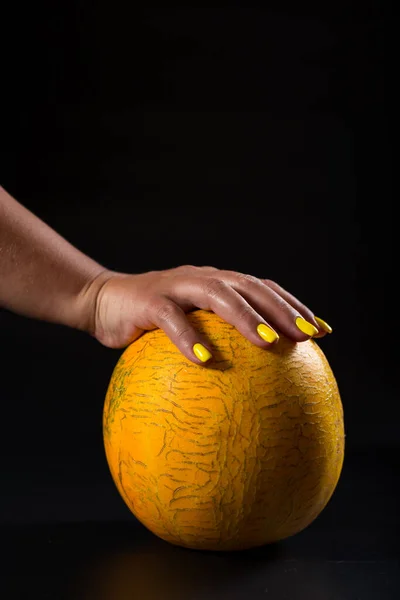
(306, 327)
(267, 334)
(202, 353)
(323, 324)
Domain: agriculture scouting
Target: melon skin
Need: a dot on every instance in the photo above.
(240, 453)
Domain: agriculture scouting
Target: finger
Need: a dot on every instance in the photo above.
(169, 317)
(322, 326)
(271, 306)
(209, 293)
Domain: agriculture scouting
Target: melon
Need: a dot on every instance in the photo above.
(242, 452)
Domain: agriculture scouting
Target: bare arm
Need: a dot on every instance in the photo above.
(45, 277)
(41, 274)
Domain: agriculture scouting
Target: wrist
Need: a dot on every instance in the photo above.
(87, 299)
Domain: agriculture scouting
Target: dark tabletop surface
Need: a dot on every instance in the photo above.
(349, 553)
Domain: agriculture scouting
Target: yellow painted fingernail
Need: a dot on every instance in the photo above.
(306, 327)
(202, 353)
(267, 334)
(323, 324)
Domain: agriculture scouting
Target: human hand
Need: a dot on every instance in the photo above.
(124, 306)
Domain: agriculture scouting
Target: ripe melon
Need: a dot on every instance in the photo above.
(242, 452)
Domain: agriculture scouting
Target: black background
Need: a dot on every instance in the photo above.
(247, 138)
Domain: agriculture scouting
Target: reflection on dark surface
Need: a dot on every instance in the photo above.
(183, 575)
(170, 573)
(187, 576)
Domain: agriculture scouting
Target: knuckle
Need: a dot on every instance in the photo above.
(202, 269)
(184, 268)
(165, 311)
(287, 311)
(270, 283)
(245, 312)
(182, 332)
(246, 279)
(214, 287)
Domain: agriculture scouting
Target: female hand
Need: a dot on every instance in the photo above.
(124, 306)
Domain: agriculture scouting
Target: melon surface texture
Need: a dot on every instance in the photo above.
(242, 452)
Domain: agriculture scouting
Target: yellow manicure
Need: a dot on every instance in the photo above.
(267, 334)
(306, 327)
(202, 353)
(324, 325)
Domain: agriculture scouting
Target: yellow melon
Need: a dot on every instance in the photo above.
(239, 453)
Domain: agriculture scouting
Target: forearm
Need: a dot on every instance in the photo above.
(41, 274)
